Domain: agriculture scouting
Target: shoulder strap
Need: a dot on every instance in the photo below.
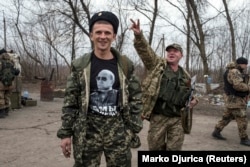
(185, 72)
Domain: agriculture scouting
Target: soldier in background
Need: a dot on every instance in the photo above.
(15, 58)
(17, 83)
(7, 75)
(236, 98)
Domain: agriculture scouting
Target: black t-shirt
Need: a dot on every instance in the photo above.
(104, 86)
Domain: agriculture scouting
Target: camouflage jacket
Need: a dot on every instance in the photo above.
(8, 72)
(155, 66)
(235, 78)
(76, 100)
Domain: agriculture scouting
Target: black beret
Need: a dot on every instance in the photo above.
(107, 16)
(242, 60)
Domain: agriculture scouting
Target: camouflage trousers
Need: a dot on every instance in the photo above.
(239, 114)
(106, 135)
(5, 99)
(165, 133)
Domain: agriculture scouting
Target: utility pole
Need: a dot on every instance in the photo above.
(4, 30)
(163, 45)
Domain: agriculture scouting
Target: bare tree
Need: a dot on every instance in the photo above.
(58, 31)
(188, 20)
(242, 29)
(78, 13)
(150, 12)
(18, 5)
(231, 28)
(200, 39)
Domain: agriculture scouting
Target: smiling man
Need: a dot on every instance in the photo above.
(101, 99)
(167, 90)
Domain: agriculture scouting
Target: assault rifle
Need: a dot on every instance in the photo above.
(187, 114)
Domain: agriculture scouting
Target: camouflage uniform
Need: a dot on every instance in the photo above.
(165, 131)
(235, 106)
(94, 134)
(5, 103)
(6, 86)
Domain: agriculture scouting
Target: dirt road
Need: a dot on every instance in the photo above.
(28, 135)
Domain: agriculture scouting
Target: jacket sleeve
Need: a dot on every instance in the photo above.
(71, 105)
(135, 104)
(146, 53)
(235, 77)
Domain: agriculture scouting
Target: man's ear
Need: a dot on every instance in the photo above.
(114, 36)
(91, 36)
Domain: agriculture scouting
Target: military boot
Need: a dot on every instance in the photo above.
(245, 141)
(2, 113)
(216, 134)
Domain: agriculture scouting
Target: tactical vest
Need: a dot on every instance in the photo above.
(174, 92)
(7, 70)
(229, 90)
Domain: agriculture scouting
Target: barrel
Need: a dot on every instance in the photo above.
(47, 90)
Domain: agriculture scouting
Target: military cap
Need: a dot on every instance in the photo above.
(175, 46)
(107, 16)
(242, 60)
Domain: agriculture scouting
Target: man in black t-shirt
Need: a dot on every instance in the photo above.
(102, 103)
